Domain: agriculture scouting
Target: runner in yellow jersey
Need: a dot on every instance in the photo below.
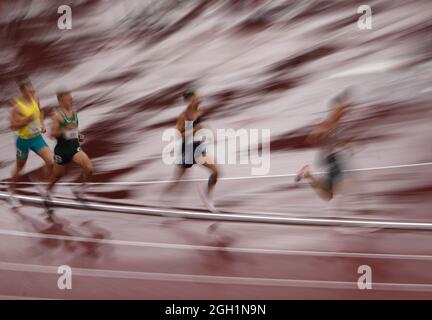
(28, 122)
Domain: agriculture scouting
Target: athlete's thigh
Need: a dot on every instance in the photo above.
(81, 158)
(22, 150)
(46, 154)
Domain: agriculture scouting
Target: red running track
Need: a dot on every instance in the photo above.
(121, 256)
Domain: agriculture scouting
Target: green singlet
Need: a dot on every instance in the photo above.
(68, 143)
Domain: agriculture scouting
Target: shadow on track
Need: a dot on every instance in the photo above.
(55, 225)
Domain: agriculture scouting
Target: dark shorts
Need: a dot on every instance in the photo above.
(187, 161)
(64, 156)
(334, 171)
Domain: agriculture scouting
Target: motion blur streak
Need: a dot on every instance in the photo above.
(257, 64)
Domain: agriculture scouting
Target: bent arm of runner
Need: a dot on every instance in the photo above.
(42, 118)
(194, 103)
(56, 131)
(197, 128)
(318, 134)
(181, 124)
(321, 132)
(17, 122)
(336, 115)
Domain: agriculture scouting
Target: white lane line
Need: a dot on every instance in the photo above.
(269, 218)
(125, 183)
(158, 245)
(208, 279)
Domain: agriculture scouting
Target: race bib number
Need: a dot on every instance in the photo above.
(71, 134)
(34, 128)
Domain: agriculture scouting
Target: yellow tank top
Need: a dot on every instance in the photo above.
(28, 109)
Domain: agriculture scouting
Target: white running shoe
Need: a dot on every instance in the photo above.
(78, 192)
(205, 198)
(301, 173)
(14, 201)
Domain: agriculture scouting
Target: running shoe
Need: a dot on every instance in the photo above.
(205, 198)
(14, 201)
(44, 194)
(302, 172)
(78, 192)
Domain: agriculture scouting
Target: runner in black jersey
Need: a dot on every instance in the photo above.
(65, 130)
(189, 122)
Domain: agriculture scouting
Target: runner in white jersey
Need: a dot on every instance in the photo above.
(326, 136)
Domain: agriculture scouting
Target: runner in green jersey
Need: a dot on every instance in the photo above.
(65, 130)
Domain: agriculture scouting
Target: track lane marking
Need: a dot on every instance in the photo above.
(216, 249)
(210, 279)
(124, 183)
